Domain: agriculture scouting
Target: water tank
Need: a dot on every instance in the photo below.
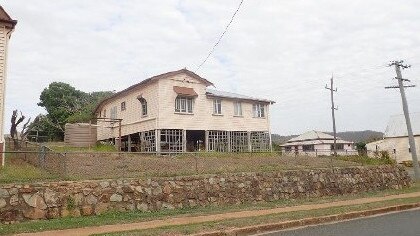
(80, 135)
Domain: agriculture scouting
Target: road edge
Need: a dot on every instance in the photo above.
(255, 229)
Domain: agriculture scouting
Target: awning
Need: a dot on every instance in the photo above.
(184, 91)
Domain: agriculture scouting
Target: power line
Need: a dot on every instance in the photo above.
(221, 36)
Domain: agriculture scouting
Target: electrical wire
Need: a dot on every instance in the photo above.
(221, 36)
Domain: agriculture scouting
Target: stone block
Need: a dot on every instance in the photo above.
(35, 201)
(86, 210)
(4, 193)
(116, 198)
(3, 203)
(34, 213)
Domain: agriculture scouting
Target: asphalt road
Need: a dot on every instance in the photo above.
(406, 223)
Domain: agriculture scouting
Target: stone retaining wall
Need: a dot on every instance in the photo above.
(19, 202)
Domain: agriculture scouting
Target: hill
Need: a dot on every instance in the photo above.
(354, 136)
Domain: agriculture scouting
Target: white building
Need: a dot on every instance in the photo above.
(314, 143)
(6, 28)
(177, 112)
(395, 140)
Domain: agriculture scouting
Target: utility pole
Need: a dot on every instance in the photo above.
(398, 65)
(333, 108)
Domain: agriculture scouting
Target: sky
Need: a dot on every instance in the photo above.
(280, 50)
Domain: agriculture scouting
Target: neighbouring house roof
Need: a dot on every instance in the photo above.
(397, 127)
(313, 137)
(5, 18)
(152, 79)
(223, 94)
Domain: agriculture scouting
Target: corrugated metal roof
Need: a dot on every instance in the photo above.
(313, 142)
(224, 94)
(397, 127)
(313, 137)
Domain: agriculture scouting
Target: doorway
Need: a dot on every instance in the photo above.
(196, 140)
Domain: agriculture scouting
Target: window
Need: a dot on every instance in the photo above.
(258, 110)
(184, 105)
(114, 113)
(237, 108)
(123, 106)
(217, 106)
(339, 146)
(307, 148)
(104, 113)
(143, 103)
(288, 148)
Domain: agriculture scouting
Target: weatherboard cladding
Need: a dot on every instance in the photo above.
(150, 80)
(160, 96)
(397, 126)
(209, 92)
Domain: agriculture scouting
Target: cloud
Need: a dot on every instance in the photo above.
(281, 50)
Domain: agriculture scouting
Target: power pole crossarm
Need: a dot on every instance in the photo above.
(333, 108)
(398, 65)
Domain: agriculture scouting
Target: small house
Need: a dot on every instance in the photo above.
(315, 143)
(395, 140)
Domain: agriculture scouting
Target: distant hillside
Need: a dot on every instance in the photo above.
(281, 139)
(354, 136)
(360, 136)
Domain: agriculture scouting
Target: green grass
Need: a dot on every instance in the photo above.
(137, 216)
(364, 160)
(266, 219)
(23, 172)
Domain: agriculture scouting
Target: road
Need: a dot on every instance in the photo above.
(406, 223)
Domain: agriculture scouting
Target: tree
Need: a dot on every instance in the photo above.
(17, 138)
(361, 148)
(61, 100)
(66, 104)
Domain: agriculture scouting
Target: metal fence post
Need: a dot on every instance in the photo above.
(196, 163)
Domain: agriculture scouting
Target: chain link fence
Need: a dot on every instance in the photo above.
(106, 165)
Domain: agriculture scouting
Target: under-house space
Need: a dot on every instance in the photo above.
(239, 141)
(195, 140)
(171, 140)
(148, 141)
(260, 142)
(218, 141)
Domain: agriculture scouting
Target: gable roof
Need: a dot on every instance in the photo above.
(397, 127)
(223, 94)
(152, 79)
(5, 18)
(315, 137)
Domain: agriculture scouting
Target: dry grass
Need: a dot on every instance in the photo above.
(110, 165)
